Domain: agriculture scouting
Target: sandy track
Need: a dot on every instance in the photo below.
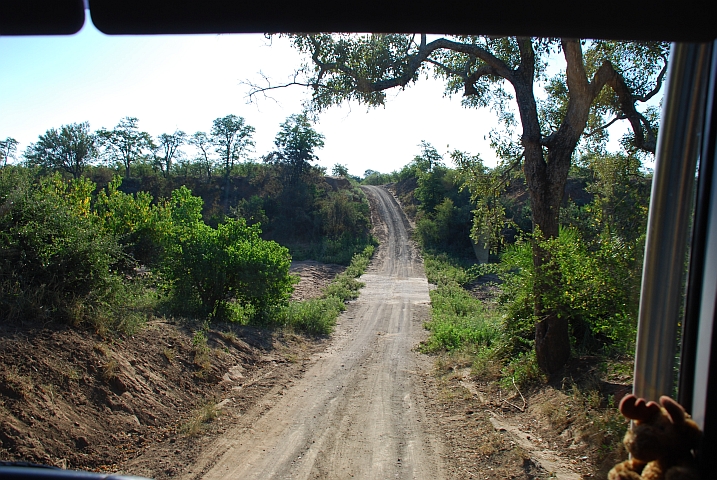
(359, 410)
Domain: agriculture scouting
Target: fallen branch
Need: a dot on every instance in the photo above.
(521, 410)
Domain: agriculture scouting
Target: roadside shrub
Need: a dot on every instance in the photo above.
(318, 315)
(56, 260)
(441, 269)
(595, 290)
(132, 219)
(458, 320)
(520, 371)
(209, 269)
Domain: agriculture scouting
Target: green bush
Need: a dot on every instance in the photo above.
(318, 316)
(56, 259)
(209, 269)
(442, 269)
(596, 290)
(458, 320)
(132, 219)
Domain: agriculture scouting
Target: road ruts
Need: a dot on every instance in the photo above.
(359, 410)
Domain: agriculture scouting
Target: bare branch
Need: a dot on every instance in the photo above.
(658, 85)
(603, 127)
(504, 174)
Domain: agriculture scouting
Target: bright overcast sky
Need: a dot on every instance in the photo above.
(185, 82)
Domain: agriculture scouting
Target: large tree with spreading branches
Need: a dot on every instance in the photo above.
(602, 82)
(125, 144)
(70, 149)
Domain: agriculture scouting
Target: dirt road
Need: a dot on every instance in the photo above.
(359, 410)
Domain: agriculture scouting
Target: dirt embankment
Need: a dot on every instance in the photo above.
(75, 399)
(314, 277)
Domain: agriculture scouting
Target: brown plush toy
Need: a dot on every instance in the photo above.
(661, 441)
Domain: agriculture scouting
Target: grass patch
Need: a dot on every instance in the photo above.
(110, 369)
(523, 370)
(201, 350)
(458, 320)
(317, 316)
(169, 354)
(204, 414)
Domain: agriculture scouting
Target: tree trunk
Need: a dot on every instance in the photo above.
(546, 182)
(552, 343)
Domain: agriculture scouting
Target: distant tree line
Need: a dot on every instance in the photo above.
(93, 245)
(72, 148)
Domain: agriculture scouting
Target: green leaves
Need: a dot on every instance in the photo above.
(69, 149)
(594, 289)
(125, 144)
(295, 145)
(232, 138)
(55, 257)
(347, 66)
(209, 269)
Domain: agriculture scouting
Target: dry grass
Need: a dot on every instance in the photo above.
(169, 354)
(70, 372)
(229, 336)
(15, 383)
(110, 369)
(103, 349)
(201, 352)
(204, 414)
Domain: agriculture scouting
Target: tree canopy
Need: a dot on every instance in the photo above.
(602, 82)
(70, 149)
(125, 143)
(168, 148)
(8, 147)
(232, 139)
(295, 145)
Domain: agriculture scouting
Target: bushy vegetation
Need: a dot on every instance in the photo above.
(57, 259)
(459, 320)
(227, 272)
(281, 190)
(318, 315)
(597, 295)
(75, 251)
(597, 260)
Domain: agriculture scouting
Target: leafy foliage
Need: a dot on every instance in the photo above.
(132, 219)
(596, 291)
(457, 319)
(8, 147)
(443, 219)
(69, 149)
(295, 145)
(56, 259)
(231, 137)
(208, 269)
(125, 144)
(318, 316)
(168, 150)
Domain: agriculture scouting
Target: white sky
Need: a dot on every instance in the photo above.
(185, 82)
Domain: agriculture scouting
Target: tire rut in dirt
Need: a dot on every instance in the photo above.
(359, 409)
